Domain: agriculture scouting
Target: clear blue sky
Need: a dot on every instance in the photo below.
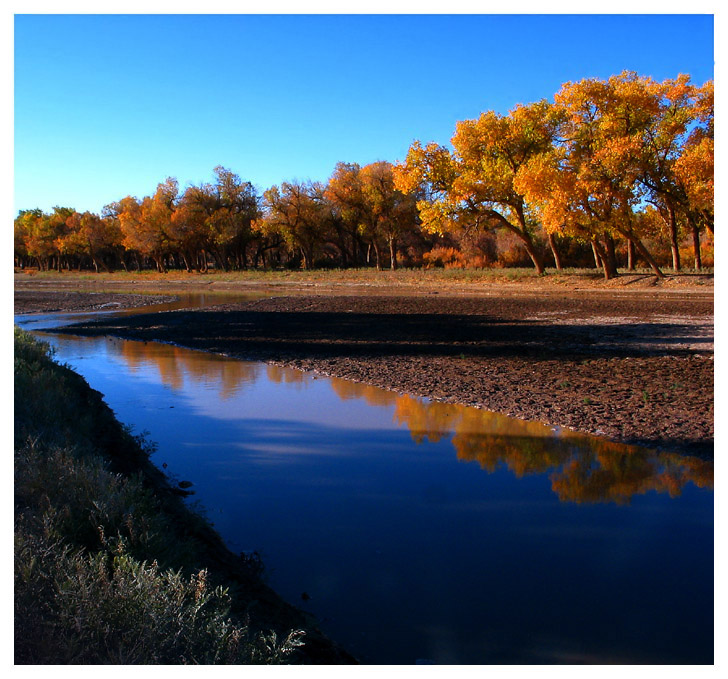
(107, 106)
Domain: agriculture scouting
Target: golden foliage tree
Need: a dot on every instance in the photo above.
(475, 183)
(296, 211)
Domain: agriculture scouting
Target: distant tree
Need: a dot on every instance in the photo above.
(188, 231)
(145, 224)
(344, 194)
(389, 213)
(41, 233)
(297, 212)
(230, 207)
(236, 208)
(91, 236)
(24, 225)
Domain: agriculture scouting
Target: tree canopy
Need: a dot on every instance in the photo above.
(610, 172)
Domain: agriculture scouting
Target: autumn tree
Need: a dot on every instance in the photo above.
(41, 234)
(674, 126)
(587, 184)
(225, 211)
(345, 195)
(188, 232)
(389, 213)
(145, 224)
(297, 212)
(694, 169)
(475, 183)
(92, 236)
(626, 160)
(23, 226)
(230, 223)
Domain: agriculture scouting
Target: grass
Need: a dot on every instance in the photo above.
(106, 571)
(412, 277)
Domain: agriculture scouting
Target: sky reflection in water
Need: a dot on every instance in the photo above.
(425, 530)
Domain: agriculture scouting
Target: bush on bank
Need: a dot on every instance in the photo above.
(103, 571)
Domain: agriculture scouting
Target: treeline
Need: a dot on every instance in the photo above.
(613, 173)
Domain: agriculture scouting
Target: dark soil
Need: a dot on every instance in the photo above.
(41, 301)
(636, 368)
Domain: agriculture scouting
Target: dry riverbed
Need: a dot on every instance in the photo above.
(631, 363)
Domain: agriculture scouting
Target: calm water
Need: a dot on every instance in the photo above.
(427, 532)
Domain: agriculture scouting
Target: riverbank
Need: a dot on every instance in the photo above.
(110, 565)
(630, 360)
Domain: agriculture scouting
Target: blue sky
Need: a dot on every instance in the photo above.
(110, 105)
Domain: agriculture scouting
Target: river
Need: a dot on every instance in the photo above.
(424, 532)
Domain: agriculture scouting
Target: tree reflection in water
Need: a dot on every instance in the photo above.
(583, 469)
(176, 364)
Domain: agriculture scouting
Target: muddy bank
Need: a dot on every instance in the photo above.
(633, 368)
(41, 301)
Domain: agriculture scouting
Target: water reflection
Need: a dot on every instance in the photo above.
(176, 366)
(377, 506)
(581, 469)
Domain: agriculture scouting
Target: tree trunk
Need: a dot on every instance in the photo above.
(307, 254)
(521, 231)
(645, 254)
(532, 253)
(96, 259)
(608, 263)
(159, 261)
(630, 255)
(597, 258)
(523, 234)
(610, 250)
(354, 252)
(696, 247)
(554, 251)
(674, 246)
(220, 256)
(393, 253)
(376, 255)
